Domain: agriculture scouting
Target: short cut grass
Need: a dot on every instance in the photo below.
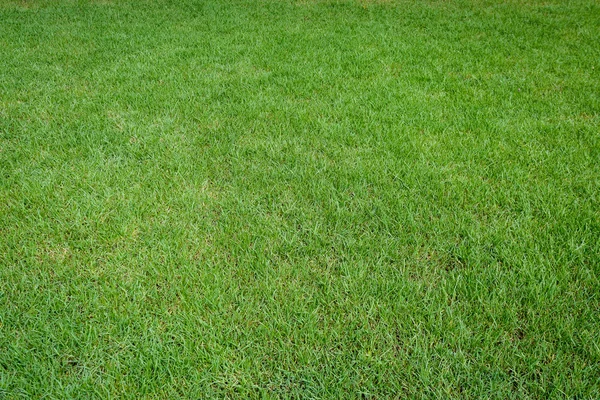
(299, 199)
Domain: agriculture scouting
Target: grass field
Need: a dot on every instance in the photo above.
(300, 199)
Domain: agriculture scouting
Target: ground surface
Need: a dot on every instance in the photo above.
(299, 199)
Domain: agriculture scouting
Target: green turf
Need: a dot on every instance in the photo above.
(300, 199)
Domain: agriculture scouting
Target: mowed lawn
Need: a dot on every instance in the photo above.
(299, 199)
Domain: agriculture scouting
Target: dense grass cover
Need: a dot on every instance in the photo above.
(301, 199)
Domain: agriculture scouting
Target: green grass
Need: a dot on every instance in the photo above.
(299, 199)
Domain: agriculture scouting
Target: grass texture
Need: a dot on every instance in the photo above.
(299, 199)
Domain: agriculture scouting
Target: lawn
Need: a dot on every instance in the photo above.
(300, 199)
